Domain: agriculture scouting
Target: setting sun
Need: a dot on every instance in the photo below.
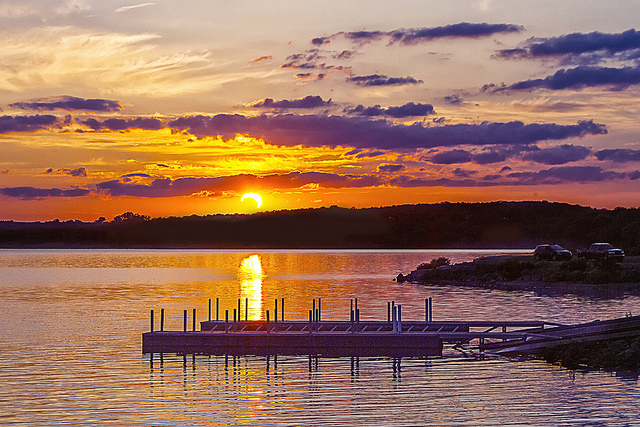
(255, 196)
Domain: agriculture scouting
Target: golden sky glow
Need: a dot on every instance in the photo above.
(172, 108)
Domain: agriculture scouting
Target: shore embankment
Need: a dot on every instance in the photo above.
(522, 272)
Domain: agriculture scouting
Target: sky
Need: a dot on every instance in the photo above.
(176, 108)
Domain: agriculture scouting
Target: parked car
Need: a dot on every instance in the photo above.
(551, 252)
(601, 251)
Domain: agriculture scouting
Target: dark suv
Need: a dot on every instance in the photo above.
(551, 252)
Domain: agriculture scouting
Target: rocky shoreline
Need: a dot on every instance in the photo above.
(522, 272)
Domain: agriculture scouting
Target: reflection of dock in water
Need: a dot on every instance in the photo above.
(393, 337)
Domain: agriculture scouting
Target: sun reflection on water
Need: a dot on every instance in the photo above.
(251, 275)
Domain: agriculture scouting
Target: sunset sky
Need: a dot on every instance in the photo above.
(173, 108)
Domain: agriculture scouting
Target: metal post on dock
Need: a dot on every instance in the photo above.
(239, 309)
(399, 318)
(282, 317)
(209, 309)
(314, 310)
(394, 314)
(426, 309)
(430, 309)
(162, 319)
(246, 309)
(194, 319)
(275, 311)
(151, 320)
(217, 307)
(226, 321)
(185, 321)
(319, 309)
(268, 327)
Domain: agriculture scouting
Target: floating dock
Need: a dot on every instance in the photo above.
(392, 338)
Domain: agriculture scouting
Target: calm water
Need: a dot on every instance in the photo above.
(70, 345)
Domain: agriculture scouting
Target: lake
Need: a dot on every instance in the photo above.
(70, 348)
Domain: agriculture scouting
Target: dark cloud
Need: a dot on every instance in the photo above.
(31, 193)
(407, 110)
(359, 132)
(319, 41)
(463, 173)
(505, 169)
(461, 30)
(412, 36)
(619, 155)
(577, 44)
(388, 168)
(451, 157)
(562, 174)
(453, 99)
(411, 182)
(367, 154)
(345, 54)
(579, 77)
(382, 80)
(10, 124)
(491, 156)
(69, 103)
(558, 155)
(124, 124)
(167, 187)
(634, 175)
(306, 102)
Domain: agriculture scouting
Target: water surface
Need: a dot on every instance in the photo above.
(70, 345)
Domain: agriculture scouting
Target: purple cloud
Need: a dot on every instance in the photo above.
(166, 187)
(382, 80)
(577, 44)
(32, 193)
(562, 174)
(389, 168)
(453, 100)
(69, 103)
(412, 36)
(306, 102)
(358, 132)
(583, 76)
(619, 155)
(461, 30)
(10, 124)
(451, 157)
(558, 155)
(407, 110)
(124, 124)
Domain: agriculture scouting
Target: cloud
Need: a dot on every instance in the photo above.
(69, 103)
(491, 156)
(389, 168)
(167, 187)
(79, 172)
(558, 155)
(306, 102)
(561, 174)
(124, 124)
(583, 76)
(619, 155)
(463, 173)
(412, 36)
(461, 30)
(407, 110)
(262, 58)
(451, 157)
(310, 76)
(135, 6)
(382, 80)
(31, 193)
(358, 132)
(10, 124)
(577, 44)
(453, 100)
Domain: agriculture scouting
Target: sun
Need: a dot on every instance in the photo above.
(255, 196)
